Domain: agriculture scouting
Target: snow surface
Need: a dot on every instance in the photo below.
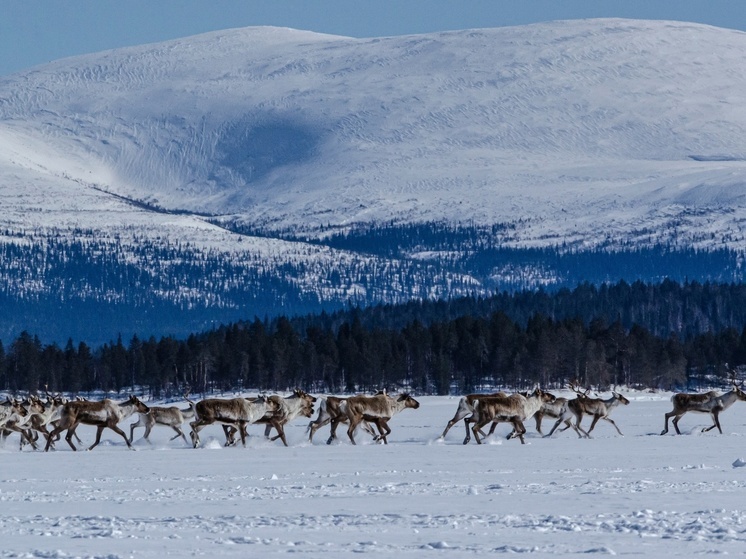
(636, 129)
(641, 494)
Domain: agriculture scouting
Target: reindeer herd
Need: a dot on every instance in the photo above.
(35, 418)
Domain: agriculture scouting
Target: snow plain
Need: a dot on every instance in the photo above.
(641, 494)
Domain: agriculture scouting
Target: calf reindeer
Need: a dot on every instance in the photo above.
(237, 412)
(103, 414)
(380, 408)
(167, 416)
(709, 402)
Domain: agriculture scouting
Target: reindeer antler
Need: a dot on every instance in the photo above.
(572, 387)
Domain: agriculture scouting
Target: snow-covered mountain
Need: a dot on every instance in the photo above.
(576, 127)
(575, 133)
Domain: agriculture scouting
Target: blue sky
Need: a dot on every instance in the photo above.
(38, 31)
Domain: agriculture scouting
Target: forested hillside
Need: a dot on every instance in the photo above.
(93, 288)
(663, 335)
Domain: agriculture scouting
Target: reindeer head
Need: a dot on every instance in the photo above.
(739, 393)
(139, 406)
(409, 402)
(622, 399)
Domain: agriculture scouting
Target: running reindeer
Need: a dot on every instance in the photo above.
(103, 414)
(584, 405)
(710, 402)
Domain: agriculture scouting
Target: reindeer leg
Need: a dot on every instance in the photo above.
(194, 434)
(714, 423)
(267, 430)
(179, 433)
(676, 423)
(383, 425)
(456, 418)
(665, 427)
(593, 424)
(132, 429)
(117, 430)
(467, 420)
(148, 428)
(351, 430)
(579, 429)
(229, 432)
(313, 427)
(477, 429)
(518, 429)
(99, 430)
(614, 424)
(243, 432)
(554, 427)
(333, 435)
(50, 439)
(280, 432)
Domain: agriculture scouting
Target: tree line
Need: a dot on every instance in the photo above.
(658, 336)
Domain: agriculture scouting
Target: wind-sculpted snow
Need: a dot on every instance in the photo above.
(571, 127)
(641, 494)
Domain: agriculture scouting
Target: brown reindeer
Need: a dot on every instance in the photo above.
(237, 412)
(513, 408)
(465, 411)
(299, 403)
(103, 414)
(709, 402)
(330, 412)
(596, 407)
(380, 407)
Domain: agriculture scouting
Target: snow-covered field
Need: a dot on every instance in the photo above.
(640, 494)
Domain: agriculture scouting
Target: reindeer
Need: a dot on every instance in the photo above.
(380, 407)
(103, 414)
(465, 411)
(709, 402)
(15, 417)
(170, 416)
(330, 412)
(561, 408)
(597, 407)
(297, 404)
(513, 408)
(553, 409)
(238, 412)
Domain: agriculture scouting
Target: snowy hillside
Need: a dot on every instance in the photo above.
(575, 127)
